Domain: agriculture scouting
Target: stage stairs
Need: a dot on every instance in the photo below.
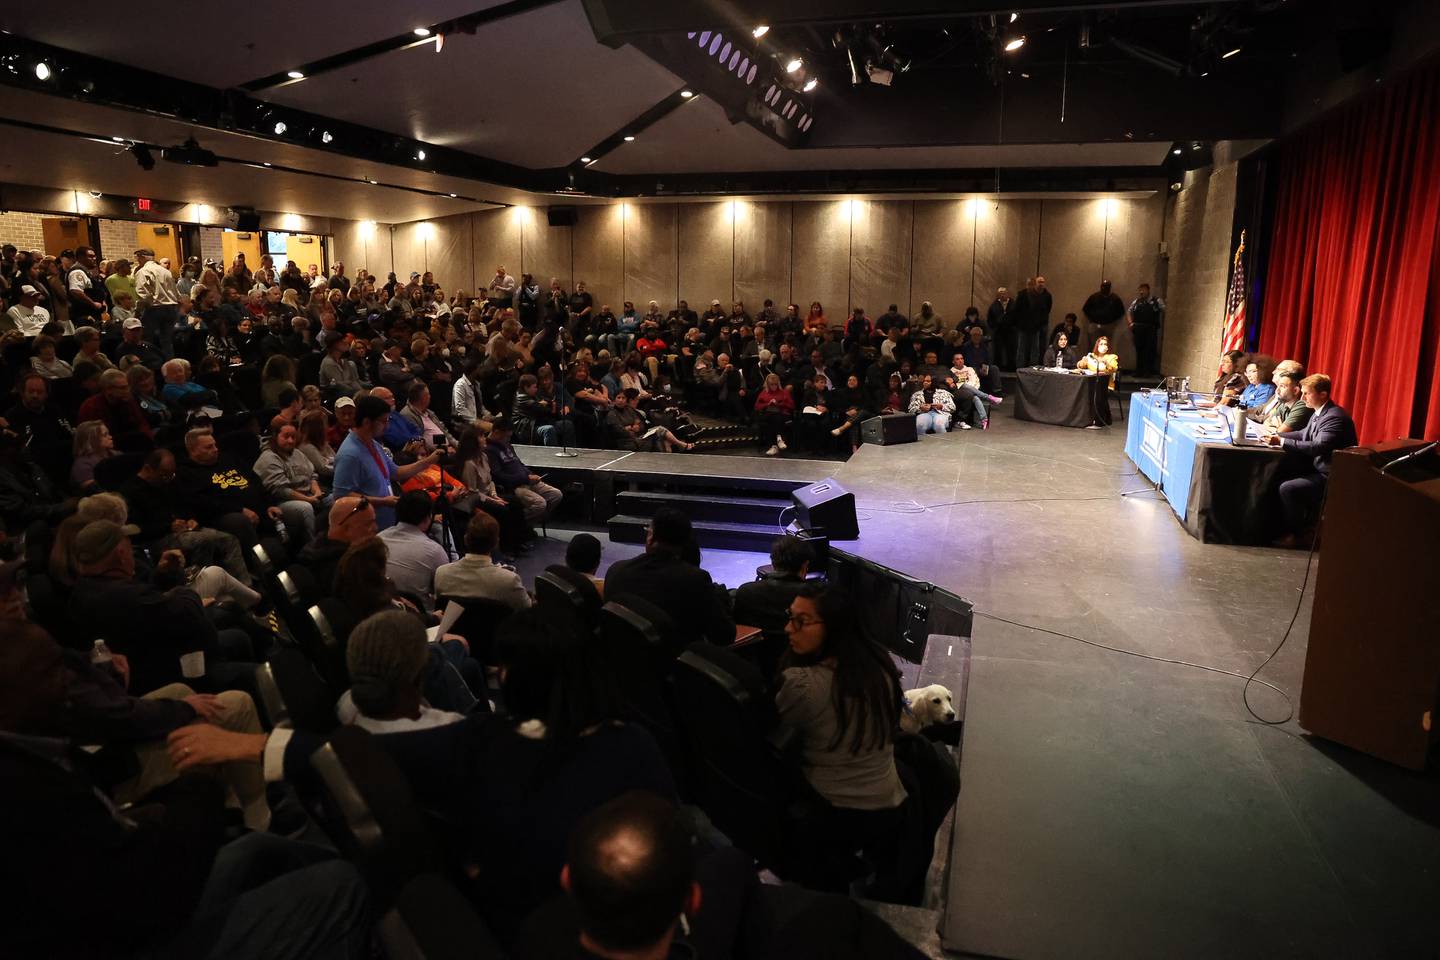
(723, 519)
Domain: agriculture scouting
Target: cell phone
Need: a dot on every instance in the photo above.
(437, 440)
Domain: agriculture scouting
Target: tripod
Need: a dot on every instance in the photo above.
(565, 450)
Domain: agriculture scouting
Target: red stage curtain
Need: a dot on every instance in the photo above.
(1352, 283)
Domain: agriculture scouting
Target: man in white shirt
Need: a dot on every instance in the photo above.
(502, 288)
(26, 316)
(413, 555)
(467, 406)
(475, 576)
(157, 300)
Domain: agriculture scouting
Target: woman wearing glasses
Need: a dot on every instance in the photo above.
(842, 693)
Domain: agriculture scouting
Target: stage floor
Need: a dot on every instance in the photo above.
(1116, 806)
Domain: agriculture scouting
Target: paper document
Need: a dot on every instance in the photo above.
(451, 614)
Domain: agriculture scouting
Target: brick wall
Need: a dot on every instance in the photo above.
(212, 246)
(1199, 275)
(21, 229)
(117, 239)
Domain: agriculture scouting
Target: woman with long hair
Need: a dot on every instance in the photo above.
(92, 444)
(815, 321)
(841, 692)
(315, 445)
(774, 406)
(277, 376)
(1229, 383)
(481, 493)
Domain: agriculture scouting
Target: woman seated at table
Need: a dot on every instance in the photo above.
(1259, 388)
(1229, 384)
(842, 694)
(1101, 361)
(1062, 355)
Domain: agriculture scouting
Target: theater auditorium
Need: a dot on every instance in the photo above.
(765, 479)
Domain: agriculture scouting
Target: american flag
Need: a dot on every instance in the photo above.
(1232, 336)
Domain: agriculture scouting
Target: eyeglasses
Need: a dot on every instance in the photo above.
(800, 621)
(362, 505)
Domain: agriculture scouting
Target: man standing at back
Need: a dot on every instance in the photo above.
(1146, 315)
(661, 577)
(1102, 310)
(157, 300)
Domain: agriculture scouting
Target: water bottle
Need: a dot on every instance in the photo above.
(100, 654)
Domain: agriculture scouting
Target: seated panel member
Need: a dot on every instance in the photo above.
(1330, 429)
(1289, 413)
(1062, 355)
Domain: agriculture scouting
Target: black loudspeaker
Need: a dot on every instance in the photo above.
(560, 216)
(891, 428)
(828, 507)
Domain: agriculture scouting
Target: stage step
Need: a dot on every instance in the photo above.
(760, 511)
(710, 533)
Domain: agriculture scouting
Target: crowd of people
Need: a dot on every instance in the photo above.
(170, 449)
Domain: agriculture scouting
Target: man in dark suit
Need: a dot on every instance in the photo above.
(766, 603)
(663, 578)
(1330, 429)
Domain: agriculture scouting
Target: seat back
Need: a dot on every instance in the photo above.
(299, 693)
(565, 604)
(432, 920)
(332, 621)
(113, 471)
(264, 566)
(633, 640)
(478, 624)
(739, 775)
(371, 813)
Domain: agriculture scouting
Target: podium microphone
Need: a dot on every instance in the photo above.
(1409, 456)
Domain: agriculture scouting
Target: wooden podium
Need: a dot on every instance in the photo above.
(1372, 669)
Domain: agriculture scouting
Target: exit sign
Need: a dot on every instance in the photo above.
(142, 204)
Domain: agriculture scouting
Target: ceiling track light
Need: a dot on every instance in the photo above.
(1227, 56)
(326, 136)
(280, 128)
(686, 94)
(794, 65)
(421, 31)
(43, 71)
(759, 31)
(295, 75)
(419, 154)
(810, 85)
(1014, 43)
(629, 138)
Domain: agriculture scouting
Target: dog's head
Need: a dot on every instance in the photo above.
(930, 705)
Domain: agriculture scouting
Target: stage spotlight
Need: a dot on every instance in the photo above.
(142, 156)
(810, 84)
(295, 75)
(326, 136)
(1014, 17)
(280, 128)
(42, 71)
(795, 64)
(759, 31)
(422, 31)
(1013, 44)
(1227, 56)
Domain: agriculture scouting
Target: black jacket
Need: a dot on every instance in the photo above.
(682, 590)
(27, 494)
(766, 603)
(152, 627)
(223, 487)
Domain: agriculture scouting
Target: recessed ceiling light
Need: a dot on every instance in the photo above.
(686, 94)
(1177, 151)
(584, 159)
(326, 136)
(795, 64)
(420, 155)
(280, 128)
(1227, 56)
(295, 75)
(1014, 44)
(811, 84)
(422, 31)
(267, 163)
(1014, 16)
(42, 70)
(760, 31)
(118, 139)
(629, 138)
(454, 196)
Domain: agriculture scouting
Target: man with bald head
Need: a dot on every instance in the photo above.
(352, 521)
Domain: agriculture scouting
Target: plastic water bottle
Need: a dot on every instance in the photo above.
(100, 654)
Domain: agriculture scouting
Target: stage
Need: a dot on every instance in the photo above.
(1111, 805)
(1115, 806)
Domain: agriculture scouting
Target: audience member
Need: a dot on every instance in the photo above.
(662, 577)
(476, 576)
(765, 603)
(512, 477)
(364, 466)
(414, 555)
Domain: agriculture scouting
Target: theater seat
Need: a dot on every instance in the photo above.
(111, 472)
(332, 621)
(633, 640)
(742, 774)
(292, 691)
(371, 814)
(432, 920)
(565, 604)
(478, 624)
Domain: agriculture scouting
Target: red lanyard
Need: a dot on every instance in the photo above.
(379, 463)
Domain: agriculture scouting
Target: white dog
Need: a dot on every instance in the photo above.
(926, 706)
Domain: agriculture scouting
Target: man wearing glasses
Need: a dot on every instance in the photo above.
(363, 466)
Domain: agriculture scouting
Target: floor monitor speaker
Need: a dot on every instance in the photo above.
(826, 506)
(888, 429)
